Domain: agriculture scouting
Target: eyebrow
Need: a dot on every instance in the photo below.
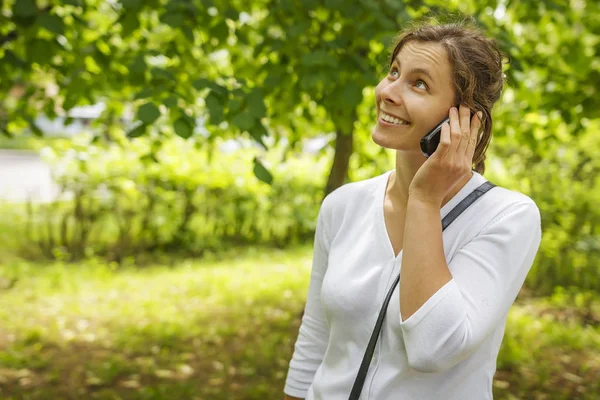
(417, 70)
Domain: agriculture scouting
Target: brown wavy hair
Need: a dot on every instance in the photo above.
(476, 63)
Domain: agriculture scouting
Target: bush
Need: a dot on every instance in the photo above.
(563, 177)
(118, 201)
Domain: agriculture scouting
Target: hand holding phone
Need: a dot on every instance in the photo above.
(431, 141)
(442, 171)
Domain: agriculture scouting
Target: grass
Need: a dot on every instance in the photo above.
(211, 330)
(224, 328)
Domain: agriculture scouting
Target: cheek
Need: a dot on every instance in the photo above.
(378, 91)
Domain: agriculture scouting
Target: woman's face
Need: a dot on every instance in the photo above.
(418, 92)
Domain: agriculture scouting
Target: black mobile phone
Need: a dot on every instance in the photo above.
(431, 141)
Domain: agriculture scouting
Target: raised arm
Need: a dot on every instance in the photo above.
(485, 278)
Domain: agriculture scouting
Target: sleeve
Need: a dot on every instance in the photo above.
(313, 335)
(487, 274)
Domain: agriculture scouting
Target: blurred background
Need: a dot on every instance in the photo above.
(162, 164)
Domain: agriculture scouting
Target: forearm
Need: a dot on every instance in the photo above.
(286, 397)
(424, 269)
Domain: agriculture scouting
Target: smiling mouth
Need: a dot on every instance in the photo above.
(393, 120)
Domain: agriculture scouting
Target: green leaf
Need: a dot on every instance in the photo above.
(309, 82)
(286, 5)
(351, 95)
(231, 14)
(174, 20)
(71, 99)
(148, 113)
(149, 158)
(220, 30)
(170, 102)
(40, 51)
(91, 65)
(137, 131)
(137, 70)
(273, 80)
(299, 28)
(261, 172)
(202, 83)
(144, 93)
(129, 23)
(256, 104)
(318, 58)
(102, 59)
(50, 109)
(183, 128)
(131, 4)
(257, 132)
(235, 104)
(53, 23)
(215, 108)
(34, 128)
(25, 8)
(11, 58)
(244, 121)
(188, 33)
(334, 4)
(159, 74)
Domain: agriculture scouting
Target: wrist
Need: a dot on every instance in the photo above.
(419, 200)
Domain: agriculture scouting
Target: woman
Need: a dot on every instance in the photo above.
(445, 322)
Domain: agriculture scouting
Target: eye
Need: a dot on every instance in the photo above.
(393, 72)
(421, 82)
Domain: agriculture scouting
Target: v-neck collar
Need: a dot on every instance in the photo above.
(476, 180)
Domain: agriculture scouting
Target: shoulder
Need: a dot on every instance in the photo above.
(504, 201)
(501, 207)
(354, 194)
(500, 212)
(351, 200)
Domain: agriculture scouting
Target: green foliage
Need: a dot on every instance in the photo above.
(280, 72)
(563, 180)
(266, 69)
(118, 201)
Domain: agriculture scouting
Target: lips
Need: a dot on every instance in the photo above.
(392, 118)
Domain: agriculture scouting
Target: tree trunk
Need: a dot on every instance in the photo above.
(341, 160)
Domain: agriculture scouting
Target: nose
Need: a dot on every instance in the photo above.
(391, 93)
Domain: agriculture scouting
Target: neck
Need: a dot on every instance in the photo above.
(407, 165)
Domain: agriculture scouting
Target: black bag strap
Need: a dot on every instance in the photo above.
(364, 365)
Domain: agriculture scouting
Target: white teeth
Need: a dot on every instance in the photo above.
(392, 120)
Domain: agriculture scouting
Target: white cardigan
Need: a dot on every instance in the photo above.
(448, 348)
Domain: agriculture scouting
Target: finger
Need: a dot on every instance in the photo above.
(475, 127)
(465, 129)
(444, 146)
(455, 133)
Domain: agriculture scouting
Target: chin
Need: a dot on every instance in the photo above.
(393, 142)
